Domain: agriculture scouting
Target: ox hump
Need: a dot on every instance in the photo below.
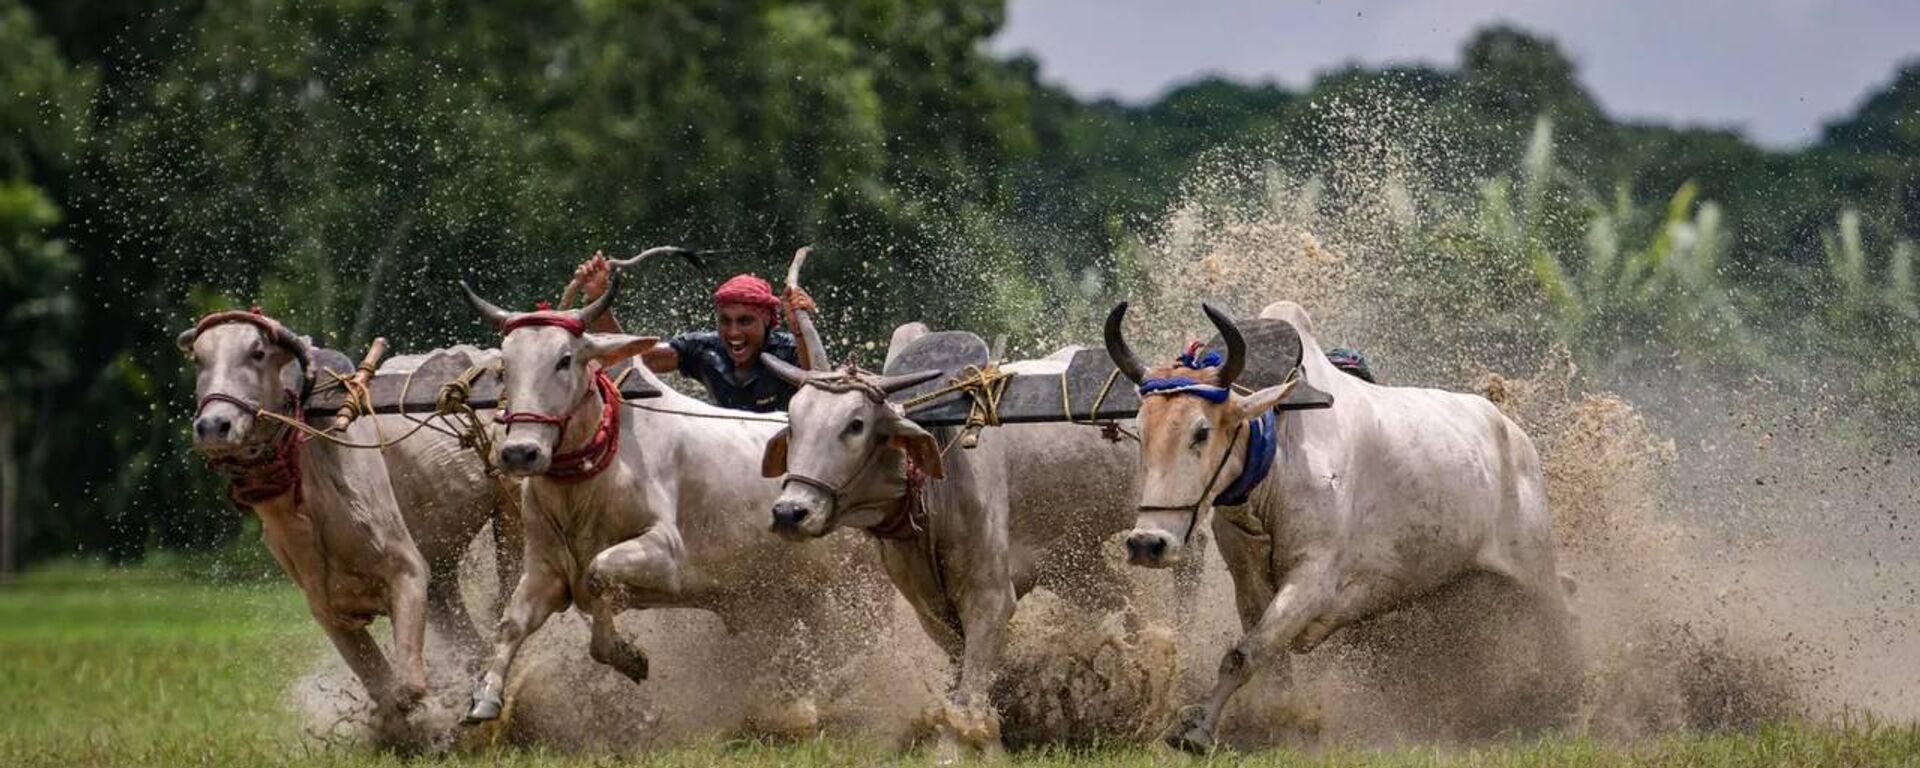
(1291, 312)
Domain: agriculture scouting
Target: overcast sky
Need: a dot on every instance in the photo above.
(1777, 69)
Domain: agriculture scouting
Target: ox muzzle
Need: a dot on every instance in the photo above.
(802, 512)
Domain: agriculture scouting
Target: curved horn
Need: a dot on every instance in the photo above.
(1123, 357)
(897, 382)
(1236, 345)
(487, 310)
(593, 311)
(788, 372)
(802, 320)
(186, 337)
(691, 256)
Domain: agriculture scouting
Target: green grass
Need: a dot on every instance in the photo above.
(145, 667)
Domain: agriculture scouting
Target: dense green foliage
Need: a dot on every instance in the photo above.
(341, 163)
(143, 668)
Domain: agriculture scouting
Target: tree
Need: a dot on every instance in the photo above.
(41, 104)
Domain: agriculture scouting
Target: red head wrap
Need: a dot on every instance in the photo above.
(750, 291)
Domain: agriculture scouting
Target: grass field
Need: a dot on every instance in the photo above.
(145, 667)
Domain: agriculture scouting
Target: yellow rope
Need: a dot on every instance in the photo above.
(984, 385)
(452, 403)
(329, 436)
(1112, 428)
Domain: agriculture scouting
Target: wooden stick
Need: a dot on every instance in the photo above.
(357, 383)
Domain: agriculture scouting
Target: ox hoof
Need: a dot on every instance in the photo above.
(407, 698)
(482, 712)
(625, 659)
(634, 665)
(1189, 735)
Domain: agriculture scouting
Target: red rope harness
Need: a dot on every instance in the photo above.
(591, 459)
(252, 482)
(909, 517)
(544, 317)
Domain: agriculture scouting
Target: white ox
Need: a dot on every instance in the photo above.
(361, 532)
(1030, 504)
(1387, 495)
(669, 511)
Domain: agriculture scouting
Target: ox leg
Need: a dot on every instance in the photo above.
(362, 654)
(447, 612)
(986, 605)
(607, 647)
(1249, 560)
(541, 593)
(639, 572)
(409, 612)
(509, 546)
(1307, 593)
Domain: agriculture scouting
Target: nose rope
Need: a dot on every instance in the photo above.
(601, 447)
(1193, 510)
(252, 482)
(833, 490)
(222, 397)
(899, 522)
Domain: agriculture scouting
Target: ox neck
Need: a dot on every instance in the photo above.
(884, 484)
(582, 421)
(899, 489)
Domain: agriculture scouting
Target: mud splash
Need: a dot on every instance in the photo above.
(1738, 559)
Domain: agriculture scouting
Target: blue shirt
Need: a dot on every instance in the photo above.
(704, 358)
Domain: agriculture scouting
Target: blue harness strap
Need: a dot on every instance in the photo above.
(1261, 447)
(1181, 385)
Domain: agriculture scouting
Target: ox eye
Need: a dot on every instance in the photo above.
(259, 354)
(1200, 435)
(566, 361)
(855, 427)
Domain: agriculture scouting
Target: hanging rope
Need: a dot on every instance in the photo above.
(329, 437)
(1109, 429)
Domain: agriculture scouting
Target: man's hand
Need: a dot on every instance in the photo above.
(797, 300)
(592, 276)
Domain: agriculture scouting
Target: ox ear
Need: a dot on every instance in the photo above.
(919, 445)
(773, 463)
(611, 348)
(1254, 405)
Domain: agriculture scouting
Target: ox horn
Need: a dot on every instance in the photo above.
(1236, 345)
(802, 320)
(788, 372)
(493, 314)
(897, 382)
(1123, 357)
(599, 306)
(690, 255)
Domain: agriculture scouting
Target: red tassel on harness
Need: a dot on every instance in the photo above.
(909, 517)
